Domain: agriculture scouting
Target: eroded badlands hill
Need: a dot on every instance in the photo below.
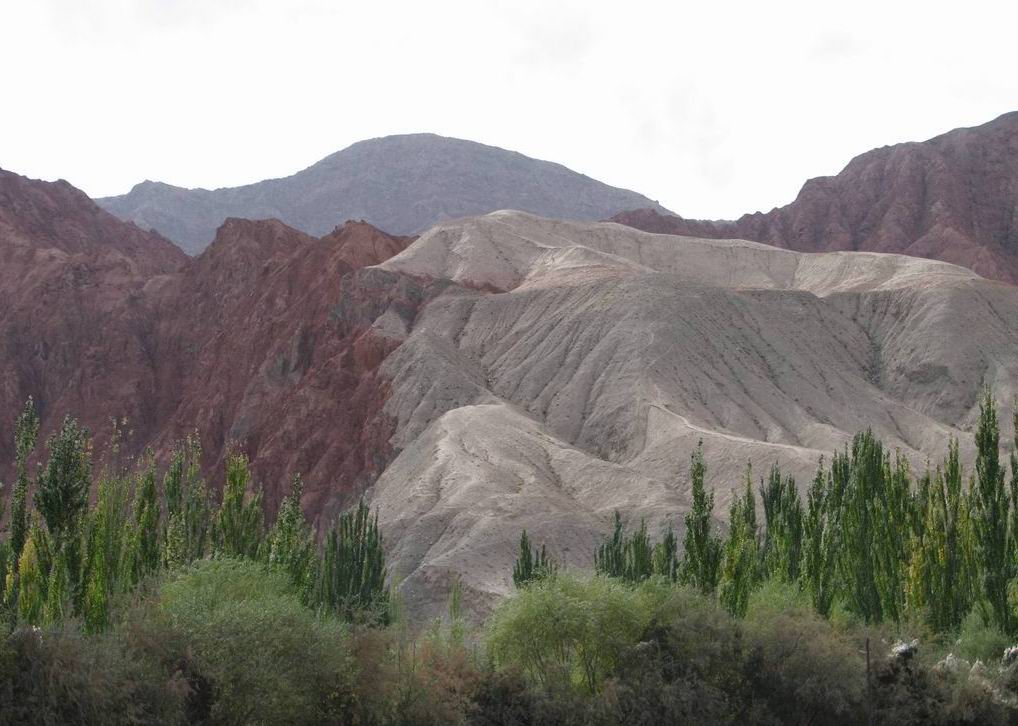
(573, 368)
(951, 198)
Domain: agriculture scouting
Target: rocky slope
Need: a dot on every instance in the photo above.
(573, 368)
(952, 198)
(264, 343)
(402, 184)
(75, 327)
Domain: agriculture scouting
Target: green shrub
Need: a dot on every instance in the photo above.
(979, 640)
(804, 669)
(269, 659)
(60, 676)
(572, 631)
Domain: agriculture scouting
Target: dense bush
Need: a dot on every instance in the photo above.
(268, 658)
(572, 631)
(60, 676)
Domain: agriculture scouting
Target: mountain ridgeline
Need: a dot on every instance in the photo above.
(952, 198)
(402, 184)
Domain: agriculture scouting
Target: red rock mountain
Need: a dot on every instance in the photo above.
(952, 198)
(263, 342)
(75, 324)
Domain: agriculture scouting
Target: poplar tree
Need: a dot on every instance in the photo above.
(781, 552)
(821, 530)
(610, 557)
(639, 556)
(701, 544)
(666, 557)
(895, 519)
(26, 431)
(61, 498)
(108, 535)
(144, 554)
(1013, 558)
(634, 558)
(532, 564)
(188, 511)
(860, 520)
(290, 541)
(940, 579)
(740, 554)
(240, 521)
(62, 492)
(34, 567)
(350, 580)
(991, 517)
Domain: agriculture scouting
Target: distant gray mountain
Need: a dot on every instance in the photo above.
(402, 184)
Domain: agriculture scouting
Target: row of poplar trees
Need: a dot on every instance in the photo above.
(871, 536)
(70, 551)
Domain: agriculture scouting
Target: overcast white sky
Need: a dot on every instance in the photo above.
(713, 108)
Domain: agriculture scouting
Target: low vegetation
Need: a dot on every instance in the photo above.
(140, 597)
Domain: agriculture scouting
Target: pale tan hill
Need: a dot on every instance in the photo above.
(574, 367)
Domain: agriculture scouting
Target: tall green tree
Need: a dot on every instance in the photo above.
(740, 557)
(240, 520)
(351, 575)
(26, 431)
(940, 582)
(639, 555)
(34, 567)
(106, 542)
(781, 551)
(990, 506)
(633, 558)
(62, 492)
(291, 542)
(610, 557)
(61, 497)
(821, 533)
(860, 521)
(702, 545)
(894, 503)
(532, 564)
(144, 554)
(666, 556)
(188, 511)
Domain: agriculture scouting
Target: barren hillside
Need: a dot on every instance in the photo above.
(573, 369)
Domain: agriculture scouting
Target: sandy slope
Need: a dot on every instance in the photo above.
(575, 367)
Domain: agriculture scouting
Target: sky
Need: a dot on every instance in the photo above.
(712, 108)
